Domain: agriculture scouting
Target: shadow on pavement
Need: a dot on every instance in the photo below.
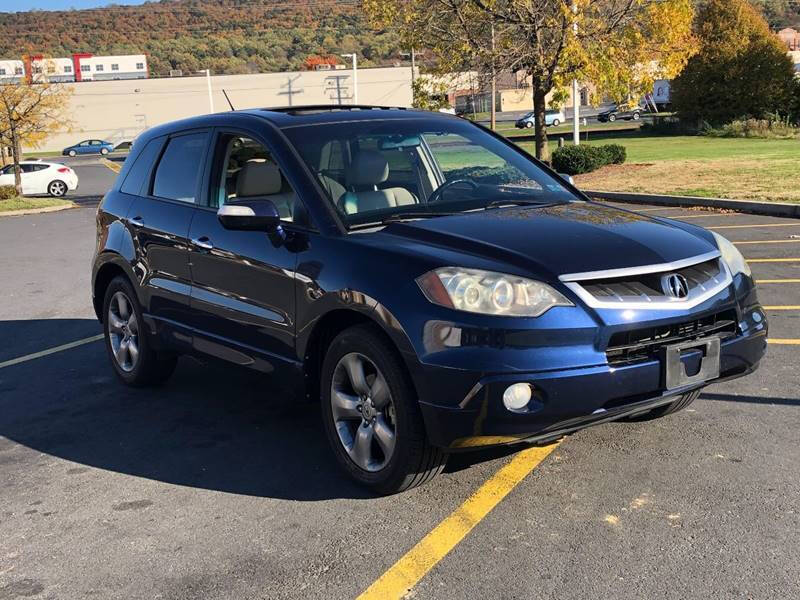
(751, 399)
(211, 427)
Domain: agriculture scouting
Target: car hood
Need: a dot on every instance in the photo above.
(558, 240)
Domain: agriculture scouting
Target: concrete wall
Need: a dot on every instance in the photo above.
(117, 110)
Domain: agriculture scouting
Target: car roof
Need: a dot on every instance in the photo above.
(332, 113)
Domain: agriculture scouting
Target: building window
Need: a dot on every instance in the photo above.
(115, 67)
(140, 66)
(51, 69)
(2, 71)
(67, 69)
(98, 67)
(37, 69)
(85, 68)
(18, 71)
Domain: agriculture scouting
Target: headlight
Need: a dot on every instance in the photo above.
(489, 293)
(732, 256)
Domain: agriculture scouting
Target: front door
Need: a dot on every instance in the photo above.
(159, 221)
(243, 282)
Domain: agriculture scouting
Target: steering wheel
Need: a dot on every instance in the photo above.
(436, 195)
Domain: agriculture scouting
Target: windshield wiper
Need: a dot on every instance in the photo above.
(519, 202)
(400, 217)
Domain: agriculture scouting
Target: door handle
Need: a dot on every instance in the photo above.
(203, 242)
(136, 222)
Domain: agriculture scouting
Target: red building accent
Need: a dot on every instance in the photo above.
(28, 61)
(76, 64)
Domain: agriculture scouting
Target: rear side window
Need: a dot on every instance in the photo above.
(141, 169)
(178, 172)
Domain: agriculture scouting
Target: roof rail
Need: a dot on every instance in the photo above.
(331, 108)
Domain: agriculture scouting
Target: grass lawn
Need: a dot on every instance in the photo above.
(767, 170)
(19, 203)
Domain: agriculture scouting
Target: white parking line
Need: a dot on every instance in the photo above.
(35, 355)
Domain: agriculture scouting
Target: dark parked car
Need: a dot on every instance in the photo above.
(88, 147)
(615, 112)
(435, 287)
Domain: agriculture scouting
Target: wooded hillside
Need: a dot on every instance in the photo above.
(227, 36)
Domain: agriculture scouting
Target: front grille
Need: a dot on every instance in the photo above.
(636, 345)
(647, 287)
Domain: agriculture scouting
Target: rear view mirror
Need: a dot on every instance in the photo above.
(400, 142)
(250, 215)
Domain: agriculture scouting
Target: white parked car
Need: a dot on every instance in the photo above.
(40, 177)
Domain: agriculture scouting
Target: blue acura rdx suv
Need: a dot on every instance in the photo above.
(433, 286)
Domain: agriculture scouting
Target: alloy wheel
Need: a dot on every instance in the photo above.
(123, 332)
(58, 188)
(363, 412)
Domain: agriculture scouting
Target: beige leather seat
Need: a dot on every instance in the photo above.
(261, 179)
(368, 169)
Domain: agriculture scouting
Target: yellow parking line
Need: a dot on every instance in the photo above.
(35, 355)
(781, 307)
(772, 260)
(755, 225)
(761, 281)
(769, 242)
(116, 167)
(417, 562)
(786, 342)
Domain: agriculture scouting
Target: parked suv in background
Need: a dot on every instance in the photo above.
(552, 118)
(39, 178)
(88, 147)
(432, 285)
(616, 112)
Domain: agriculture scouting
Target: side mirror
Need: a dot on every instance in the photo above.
(567, 178)
(250, 215)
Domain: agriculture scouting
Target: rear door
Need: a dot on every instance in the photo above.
(159, 220)
(243, 286)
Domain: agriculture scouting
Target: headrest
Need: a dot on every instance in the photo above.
(368, 168)
(258, 178)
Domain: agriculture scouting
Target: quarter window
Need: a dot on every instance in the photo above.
(178, 172)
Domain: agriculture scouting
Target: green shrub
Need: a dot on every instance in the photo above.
(575, 160)
(7, 192)
(755, 128)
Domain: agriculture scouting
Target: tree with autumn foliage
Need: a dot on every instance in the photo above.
(620, 46)
(741, 70)
(29, 113)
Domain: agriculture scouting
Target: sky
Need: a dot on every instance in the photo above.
(22, 5)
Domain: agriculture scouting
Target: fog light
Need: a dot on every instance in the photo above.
(517, 396)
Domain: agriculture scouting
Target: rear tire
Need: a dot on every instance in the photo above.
(529, 125)
(612, 118)
(636, 116)
(668, 409)
(104, 151)
(132, 357)
(556, 122)
(57, 189)
(412, 460)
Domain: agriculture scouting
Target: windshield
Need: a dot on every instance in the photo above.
(379, 170)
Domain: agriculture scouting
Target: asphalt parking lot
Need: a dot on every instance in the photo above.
(215, 486)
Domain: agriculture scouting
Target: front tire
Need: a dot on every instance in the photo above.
(372, 417)
(134, 361)
(636, 116)
(72, 153)
(668, 409)
(57, 189)
(612, 118)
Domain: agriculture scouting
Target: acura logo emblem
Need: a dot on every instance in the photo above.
(675, 285)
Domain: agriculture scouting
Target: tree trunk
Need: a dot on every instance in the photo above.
(539, 105)
(16, 148)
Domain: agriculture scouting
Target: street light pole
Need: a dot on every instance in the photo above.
(210, 95)
(576, 119)
(354, 58)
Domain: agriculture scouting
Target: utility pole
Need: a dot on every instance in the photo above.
(494, 87)
(354, 58)
(576, 101)
(290, 89)
(210, 95)
(413, 56)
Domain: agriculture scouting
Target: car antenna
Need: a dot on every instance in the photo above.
(228, 99)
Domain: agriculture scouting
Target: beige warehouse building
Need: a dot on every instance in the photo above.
(120, 110)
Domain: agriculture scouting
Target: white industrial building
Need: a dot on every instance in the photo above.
(79, 67)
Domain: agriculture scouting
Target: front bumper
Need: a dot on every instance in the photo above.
(566, 400)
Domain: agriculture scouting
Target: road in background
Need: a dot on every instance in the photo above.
(217, 486)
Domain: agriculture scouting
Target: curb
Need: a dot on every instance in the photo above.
(36, 211)
(772, 209)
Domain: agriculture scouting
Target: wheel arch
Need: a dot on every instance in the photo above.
(111, 266)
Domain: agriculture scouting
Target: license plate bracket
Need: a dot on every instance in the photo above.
(675, 371)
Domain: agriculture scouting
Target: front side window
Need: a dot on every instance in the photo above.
(178, 172)
(372, 170)
(245, 169)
